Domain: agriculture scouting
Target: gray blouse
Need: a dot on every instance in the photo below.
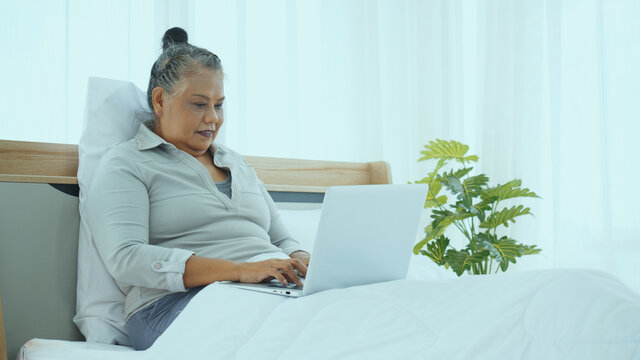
(151, 206)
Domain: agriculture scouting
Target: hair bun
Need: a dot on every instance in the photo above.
(174, 36)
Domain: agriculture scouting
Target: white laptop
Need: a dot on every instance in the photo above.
(365, 235)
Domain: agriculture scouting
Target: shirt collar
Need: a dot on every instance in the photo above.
(147, 139)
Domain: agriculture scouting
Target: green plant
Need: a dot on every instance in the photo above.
(476, 213)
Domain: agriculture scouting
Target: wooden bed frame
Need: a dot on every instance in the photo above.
(43, 164)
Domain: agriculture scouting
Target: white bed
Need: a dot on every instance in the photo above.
(508, 316)
(544, 314)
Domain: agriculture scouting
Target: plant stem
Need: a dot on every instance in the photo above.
(493, 209)
(462, 229)
(465, 193)
(473, 228)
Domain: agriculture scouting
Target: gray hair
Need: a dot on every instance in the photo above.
(178, 59)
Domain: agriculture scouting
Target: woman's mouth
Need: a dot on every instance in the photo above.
(206, 133)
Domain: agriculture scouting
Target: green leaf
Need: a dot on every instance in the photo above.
(433, 175)
(485, 204)
(453, 184)
(434, 189)
(436, 250)
(440, 225)
(508, 191)
(461, 260)
(441, 217)
(486, 241)
(457, 173)
(441, 163)
(421, 243)
(430, 234)
(504, 250)
(464, 206)
(530, 250)
(464, 190)
(474, 185)
(447, 150)
(437, 202)
(432, 199)
(509, 251)
(503, 217)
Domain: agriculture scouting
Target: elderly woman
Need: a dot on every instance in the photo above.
(171, 211)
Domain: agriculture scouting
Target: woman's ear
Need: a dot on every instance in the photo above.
(157, 97)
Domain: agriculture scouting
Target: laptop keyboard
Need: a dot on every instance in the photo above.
(288, 286)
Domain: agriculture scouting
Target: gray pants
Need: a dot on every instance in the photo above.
(145, 326)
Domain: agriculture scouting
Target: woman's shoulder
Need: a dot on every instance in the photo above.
(116, 167)
(132, 151)
(127, 156)
(125, 151)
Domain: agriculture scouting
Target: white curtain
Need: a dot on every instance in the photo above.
(545, 91)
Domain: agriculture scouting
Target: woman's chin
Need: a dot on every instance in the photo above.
(203, 142)
(199, 148)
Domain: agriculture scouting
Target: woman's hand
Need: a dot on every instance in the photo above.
(302, 256)
(282, 270)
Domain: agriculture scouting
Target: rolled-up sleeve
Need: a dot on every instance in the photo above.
(117, 210)
(278, 232)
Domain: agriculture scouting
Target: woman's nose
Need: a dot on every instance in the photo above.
(211, 116)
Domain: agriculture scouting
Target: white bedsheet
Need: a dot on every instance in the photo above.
(547, 314)
(46, 349)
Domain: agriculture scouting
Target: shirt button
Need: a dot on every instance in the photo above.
(157, 266)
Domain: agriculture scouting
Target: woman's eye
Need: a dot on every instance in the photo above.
(200, 105)
(218, 106)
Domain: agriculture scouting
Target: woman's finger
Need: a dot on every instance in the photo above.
(299, 265)
(287, 270)
(276, 274)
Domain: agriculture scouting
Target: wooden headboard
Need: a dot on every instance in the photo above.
(32, 162)
(37, 221)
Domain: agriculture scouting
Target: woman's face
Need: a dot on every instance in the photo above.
(191, 118)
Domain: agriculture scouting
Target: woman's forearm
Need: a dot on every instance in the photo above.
(199, 271)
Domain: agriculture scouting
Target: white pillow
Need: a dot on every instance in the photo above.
(113, 113)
